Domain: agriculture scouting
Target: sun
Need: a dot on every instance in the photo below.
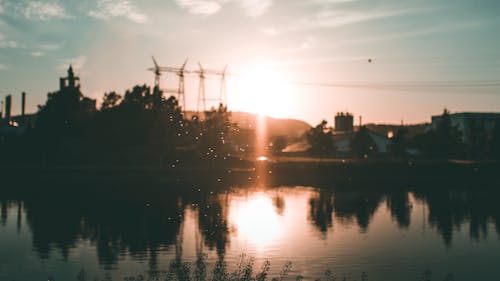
(263, 89)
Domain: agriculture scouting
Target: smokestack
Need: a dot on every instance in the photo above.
(8, 104)
(360, 121)
(23, 104)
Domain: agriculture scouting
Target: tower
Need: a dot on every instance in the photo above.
(8, 105)
(69, 82)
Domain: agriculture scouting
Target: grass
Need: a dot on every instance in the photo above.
(245, 271)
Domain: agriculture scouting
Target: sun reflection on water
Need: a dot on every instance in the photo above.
(256, 220)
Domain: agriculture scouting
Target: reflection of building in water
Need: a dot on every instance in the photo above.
(470, 124)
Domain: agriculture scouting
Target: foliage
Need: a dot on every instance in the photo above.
(213, 133)
(399, 142)
(244, 271)
(443, 142)
(362, 144)
(110, 100)
(320, 139)
(494, 142)
(278, 144)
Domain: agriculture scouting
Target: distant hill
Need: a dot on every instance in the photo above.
(292, 129)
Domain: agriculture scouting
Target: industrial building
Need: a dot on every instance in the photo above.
(469, 123)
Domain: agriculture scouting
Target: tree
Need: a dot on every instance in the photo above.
(110, 100)
(277, 145)
(362, 145)
(320, 139)
(214, 137)
(399, 142)
(495, 141)
(444, 141)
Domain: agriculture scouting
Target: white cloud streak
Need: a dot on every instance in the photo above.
(256, 8)
(107, 9)
(330, 18)
(77, 63)
(199, 7)
(253, 8)
(42, 11)
(37, 54)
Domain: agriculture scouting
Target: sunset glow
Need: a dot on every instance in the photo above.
(263, 90)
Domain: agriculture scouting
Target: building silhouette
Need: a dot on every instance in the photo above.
(71, 82)
(344, 122)
(470, 123)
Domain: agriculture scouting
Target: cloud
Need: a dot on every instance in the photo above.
(51, 47)
(77, 63)
(256, 8)
(37, 54)
(253, 8)
(107, 9)
(37, 10)
(304, 45)
(8, 44)
(330, 18)
(199, 7)
(443, 28)
(2, 66)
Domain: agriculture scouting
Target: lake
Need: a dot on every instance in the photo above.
(389, 233)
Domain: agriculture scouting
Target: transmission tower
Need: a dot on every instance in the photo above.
(201, 90)
(223, 89)
(157, 71)
(181, 96)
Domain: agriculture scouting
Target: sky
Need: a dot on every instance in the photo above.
(303, 59)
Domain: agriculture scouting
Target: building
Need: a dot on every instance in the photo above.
(70, 82)
(344, 122)
(468, 123)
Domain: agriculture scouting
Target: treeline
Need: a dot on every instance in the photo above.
(142, 126)
(445, 141)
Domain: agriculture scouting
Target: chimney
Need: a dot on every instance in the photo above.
(8, 104)
(360, 121)
(23, 104)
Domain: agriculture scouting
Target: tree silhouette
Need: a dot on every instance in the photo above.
(362, 145)
(443, 142)
(214, 133)
(495, 141)
(399, 143)
(320, 140)
(110, 100)
(277, 145)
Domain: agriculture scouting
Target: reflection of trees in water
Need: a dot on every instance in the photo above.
(140, 229)
(213, 222)
(279, 204)
(359, 204)
(399, 204)
(451, 209)
(115, 228)
(320, 210)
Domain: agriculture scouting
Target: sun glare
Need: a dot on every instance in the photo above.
(263, 89)
(256, 220)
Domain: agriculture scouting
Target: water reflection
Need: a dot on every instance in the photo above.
(241, 219)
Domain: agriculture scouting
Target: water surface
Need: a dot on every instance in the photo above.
(392, 235)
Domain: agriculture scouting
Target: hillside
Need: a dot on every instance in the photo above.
(292, 129)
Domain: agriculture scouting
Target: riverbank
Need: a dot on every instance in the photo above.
(221, 175)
